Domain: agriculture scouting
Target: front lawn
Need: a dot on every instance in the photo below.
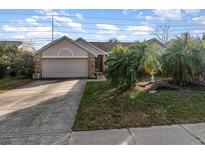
(12, 83)
(103, 107)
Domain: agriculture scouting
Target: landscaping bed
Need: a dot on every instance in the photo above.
(12, 83)
(105, 107)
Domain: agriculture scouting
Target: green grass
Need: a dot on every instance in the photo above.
(104, 107)
(12, 83)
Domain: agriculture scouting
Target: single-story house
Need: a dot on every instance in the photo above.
(10, 43)
(66, 58)
(26, 48)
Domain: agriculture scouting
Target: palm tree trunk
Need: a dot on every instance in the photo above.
(200, 77)
(152, 79)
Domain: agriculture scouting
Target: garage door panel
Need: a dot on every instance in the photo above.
(65, 68)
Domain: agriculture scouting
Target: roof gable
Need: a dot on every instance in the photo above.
(61, 39)
(95, 49)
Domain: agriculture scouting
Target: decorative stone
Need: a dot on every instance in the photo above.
(37, 58)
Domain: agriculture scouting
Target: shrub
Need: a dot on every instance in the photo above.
(14, 62)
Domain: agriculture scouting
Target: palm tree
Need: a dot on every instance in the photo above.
(151, 61)
(148, 58)
(122, 67)
(198, 57)
(177, 61)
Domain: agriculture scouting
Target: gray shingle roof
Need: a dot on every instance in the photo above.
(90, 46)
(10, 43)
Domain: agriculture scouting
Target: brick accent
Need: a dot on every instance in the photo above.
(91, 65)
(38, 63)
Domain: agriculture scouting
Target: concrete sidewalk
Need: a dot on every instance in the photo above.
(185, 134)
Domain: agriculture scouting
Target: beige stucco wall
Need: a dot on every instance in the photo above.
(54, 50)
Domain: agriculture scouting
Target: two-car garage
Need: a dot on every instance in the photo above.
(64, 67)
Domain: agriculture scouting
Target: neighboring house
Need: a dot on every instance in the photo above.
(65, 58)
(10, 43)
(19, 45)
(100, 59)
(107, 46)
(26, 48)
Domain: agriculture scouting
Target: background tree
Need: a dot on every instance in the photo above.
(163, 33)
(112, 43)
(203, 36)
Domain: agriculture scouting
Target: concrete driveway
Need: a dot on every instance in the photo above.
(41, 112)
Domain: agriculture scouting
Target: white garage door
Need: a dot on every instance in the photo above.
(65, 68)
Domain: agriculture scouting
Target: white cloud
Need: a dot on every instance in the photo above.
(121, 37)
(149, 17)
(45, 11)
(28, 32)
(8, 28)
(125, 12)
(140, 30)
(174, 14)
(69, 22)
(79, 16)
(99, 36)
(139, 15)
(107, 28)
(59, 34)
(197, 31)
(192, 11)
(62, 18)
(32, 21)
(199, 20)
